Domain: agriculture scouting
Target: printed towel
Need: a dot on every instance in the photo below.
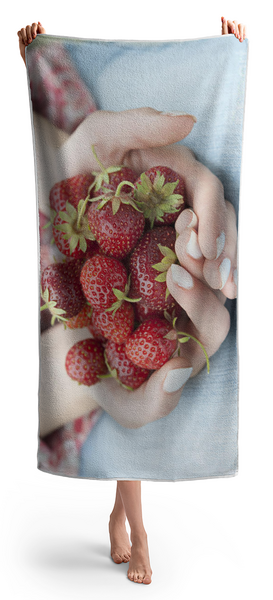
(137, 156)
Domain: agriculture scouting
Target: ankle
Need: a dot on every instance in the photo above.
(138, 535)
(117, 516)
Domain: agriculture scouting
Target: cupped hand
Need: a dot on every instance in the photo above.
(26, 35)
(142, 138)
(239, 30)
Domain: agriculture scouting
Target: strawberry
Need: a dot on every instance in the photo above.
(82, 319)
(100, 276)
(70, 190)
(148, 347)
(71, 231)
(160, 194)
(144, 311)
(61, 290)
(116, 222)
(154, 252)
(122, 368)
(116, 327)
(85, 362)
(111, 177)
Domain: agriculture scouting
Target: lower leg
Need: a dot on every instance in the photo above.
(139, 566)
(120, 543)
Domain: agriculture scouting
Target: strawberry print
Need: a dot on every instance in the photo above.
(148, 347)
(61, 290)
(160, 193)
(100, 276)
(70, 190)
(154, 246)
(115, 326)
(85, 362)
(122, 368)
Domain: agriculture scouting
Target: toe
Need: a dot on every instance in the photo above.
(117, 558)
(147, 579)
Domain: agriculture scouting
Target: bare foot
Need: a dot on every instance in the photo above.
(139, 566)
(120, 543)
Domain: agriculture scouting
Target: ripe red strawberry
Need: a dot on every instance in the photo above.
(70, 190)
(155, 246)
(122, 368)
(61, 290)
(160, 193)
(147, 347)
(116, 327)
(85, 362)
(111, 177)
(116, 222)
(82, 319)
(144, 311)
(99, 275)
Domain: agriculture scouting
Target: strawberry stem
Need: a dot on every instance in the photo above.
(186, 338)
(121, 184)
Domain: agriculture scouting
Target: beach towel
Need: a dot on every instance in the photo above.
(137, 154)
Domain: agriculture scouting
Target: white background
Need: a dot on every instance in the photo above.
(208, 539)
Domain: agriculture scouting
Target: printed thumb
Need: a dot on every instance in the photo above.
(166, 384)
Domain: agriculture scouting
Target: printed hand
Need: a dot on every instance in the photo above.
(27, 35)
(206, 248)
(233, 27)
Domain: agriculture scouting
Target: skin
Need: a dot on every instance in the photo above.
(207, 218)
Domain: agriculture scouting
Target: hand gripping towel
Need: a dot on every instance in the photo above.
(137, 149)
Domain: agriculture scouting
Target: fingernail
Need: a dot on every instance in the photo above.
(176, 378)
(235, 277)
(193, 248)
(181, 277)
(220, 243)
(224, 271)
(193, 222)
(176, 113)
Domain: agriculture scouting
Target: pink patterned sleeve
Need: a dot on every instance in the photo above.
(57, 91)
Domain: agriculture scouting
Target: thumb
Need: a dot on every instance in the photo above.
(166, 385)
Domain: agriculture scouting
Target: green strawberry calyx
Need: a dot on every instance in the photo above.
(121, 296)
(117, 198)
(102, 176)
(169, 259)
(52, 306)
(157, 198)
(113, 373)
(173, 334)
(76, 228)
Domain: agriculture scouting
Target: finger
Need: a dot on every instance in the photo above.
(41, 29)
(224, 26)
(154, 399)
(219, 273)
(231, 27)
(138, 128)
(189, 253)
(241, 32)
(34, 28)
(236, 30)
(24, 35)
(210, 320)
(28, 34)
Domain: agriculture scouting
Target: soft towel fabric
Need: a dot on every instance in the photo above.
(205, 78)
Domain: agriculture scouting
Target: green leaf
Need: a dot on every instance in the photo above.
(115, 205)
(71, 210)
(73, 242)
(160, 267)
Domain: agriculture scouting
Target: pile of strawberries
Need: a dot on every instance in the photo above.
(116, 232)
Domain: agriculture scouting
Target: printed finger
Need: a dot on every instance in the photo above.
(219, 273)
(186, 219)
(189, 253)
(210, 320)
(236, 32)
